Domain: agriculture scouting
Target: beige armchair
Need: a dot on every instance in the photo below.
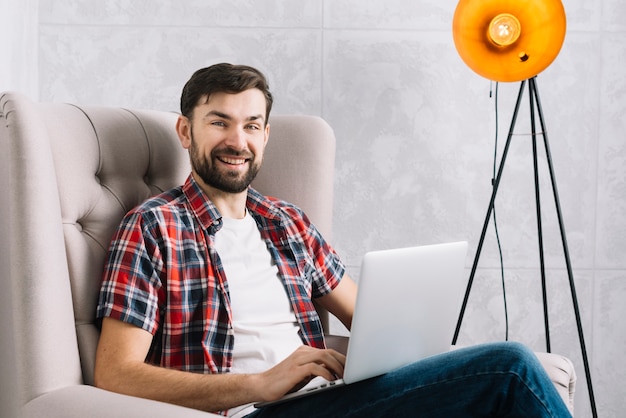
(67, 176)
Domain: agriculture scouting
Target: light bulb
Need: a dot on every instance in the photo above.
(504, 29)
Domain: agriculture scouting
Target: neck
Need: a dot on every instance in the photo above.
(230, 205)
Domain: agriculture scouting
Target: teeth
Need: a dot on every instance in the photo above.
(233, 161)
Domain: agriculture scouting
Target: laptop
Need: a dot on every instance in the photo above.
(409, 297)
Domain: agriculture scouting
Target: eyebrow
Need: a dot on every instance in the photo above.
(228, 117)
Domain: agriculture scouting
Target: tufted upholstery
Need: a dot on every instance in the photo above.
(69, 174)
(105, 164)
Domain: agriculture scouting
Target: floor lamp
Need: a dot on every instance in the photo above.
(510, 41)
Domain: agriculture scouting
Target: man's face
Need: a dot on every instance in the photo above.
(227, 137)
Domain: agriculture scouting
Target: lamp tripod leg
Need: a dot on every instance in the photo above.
(532, 96)
(534, 100)
(496, 183)
(534, 92)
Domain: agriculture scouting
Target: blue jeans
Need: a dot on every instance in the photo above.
(488, 380)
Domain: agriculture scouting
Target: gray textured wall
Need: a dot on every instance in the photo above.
(415, 130)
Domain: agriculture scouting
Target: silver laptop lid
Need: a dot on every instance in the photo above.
(407, 305)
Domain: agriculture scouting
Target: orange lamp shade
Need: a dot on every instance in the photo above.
(508, 40)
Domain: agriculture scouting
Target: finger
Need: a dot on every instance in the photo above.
(335, 361)
(332, 360)
(341, 358)
(305, 353)
(316, 369)
(330, 363)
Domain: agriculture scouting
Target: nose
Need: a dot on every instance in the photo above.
(236, 138)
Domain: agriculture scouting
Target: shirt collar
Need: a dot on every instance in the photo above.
(207, 213)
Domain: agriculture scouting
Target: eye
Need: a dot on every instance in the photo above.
(253, 127)
(218, 123)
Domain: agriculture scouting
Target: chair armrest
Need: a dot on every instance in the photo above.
(337, 342)
(562, 373)
(87, 401)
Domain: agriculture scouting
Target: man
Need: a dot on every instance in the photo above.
(207, 293)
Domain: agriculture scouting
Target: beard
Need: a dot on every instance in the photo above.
(229, 181)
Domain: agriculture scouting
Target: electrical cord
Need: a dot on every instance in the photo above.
(495, 219)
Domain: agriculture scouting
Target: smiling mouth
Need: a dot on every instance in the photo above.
(233, 160)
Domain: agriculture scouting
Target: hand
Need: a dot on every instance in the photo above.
(299, 368)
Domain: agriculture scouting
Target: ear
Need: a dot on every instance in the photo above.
(183, 129)
(267, 134)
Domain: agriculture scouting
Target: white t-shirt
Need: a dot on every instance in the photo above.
(265, 326)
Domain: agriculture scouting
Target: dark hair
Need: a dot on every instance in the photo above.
(223, 78)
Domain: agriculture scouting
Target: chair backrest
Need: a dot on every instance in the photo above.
(69, 175)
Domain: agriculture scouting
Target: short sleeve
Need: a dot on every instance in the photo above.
(130, 283)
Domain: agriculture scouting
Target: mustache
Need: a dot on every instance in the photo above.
(231, 152)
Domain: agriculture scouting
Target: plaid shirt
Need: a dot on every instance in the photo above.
(164, 275)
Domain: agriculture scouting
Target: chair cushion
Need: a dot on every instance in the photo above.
(86, 401)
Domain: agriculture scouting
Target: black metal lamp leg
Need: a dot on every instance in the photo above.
(534, 92)
(496, 183)
(531, 96)
(534, 100)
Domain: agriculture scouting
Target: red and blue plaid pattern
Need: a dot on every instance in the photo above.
(164, 275)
